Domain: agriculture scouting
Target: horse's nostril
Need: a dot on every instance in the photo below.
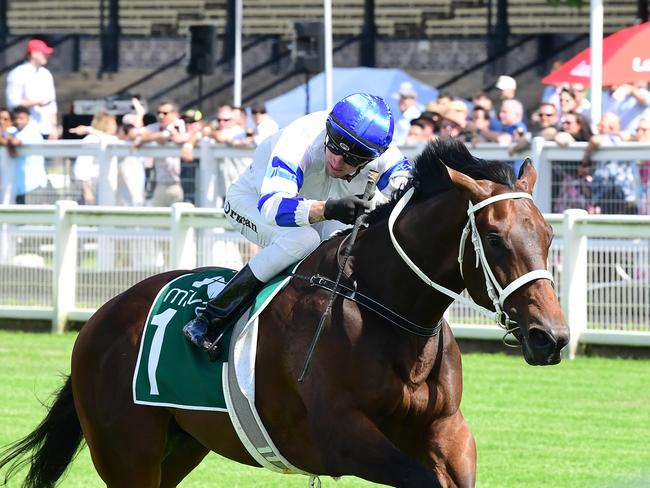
(540, 339)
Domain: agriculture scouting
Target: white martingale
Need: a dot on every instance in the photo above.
(497, 294)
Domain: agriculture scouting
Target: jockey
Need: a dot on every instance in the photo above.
(301, 188)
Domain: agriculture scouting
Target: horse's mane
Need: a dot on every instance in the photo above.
(430, 176)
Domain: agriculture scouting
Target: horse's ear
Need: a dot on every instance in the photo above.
(527, 176)
(469, 187)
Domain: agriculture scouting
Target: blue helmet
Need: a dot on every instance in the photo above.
(361, 125)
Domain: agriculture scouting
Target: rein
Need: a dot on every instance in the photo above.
(496, 293)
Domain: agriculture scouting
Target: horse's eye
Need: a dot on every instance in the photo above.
(494, 239)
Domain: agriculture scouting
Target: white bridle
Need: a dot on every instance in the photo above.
(497, 294)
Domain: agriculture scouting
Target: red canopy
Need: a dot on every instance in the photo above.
(626, 59)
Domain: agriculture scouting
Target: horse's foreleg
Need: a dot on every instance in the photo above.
(452, 451)
(351, 444)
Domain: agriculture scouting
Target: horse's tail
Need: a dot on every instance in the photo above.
(50, 448)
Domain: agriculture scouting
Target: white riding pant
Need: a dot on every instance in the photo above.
(281, 246)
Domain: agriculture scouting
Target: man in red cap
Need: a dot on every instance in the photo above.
(31, 85)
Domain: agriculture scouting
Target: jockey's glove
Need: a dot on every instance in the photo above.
(345, 209)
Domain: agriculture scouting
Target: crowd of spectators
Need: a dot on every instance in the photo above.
(562, 116)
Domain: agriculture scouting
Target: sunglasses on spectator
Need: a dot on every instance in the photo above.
(224, 120)
(351, 159)
(546, 114)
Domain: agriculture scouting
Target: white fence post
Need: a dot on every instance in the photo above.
(208, 174)
(6, 177)
(107, 180)
(183, 248)
(65, 265)
(542, 189)
(574, 276)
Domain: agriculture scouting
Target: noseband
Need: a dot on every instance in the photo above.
(496, 293)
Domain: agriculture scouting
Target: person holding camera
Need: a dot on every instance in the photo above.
(169, 127)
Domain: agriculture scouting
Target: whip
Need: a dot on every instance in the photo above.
(372, 178)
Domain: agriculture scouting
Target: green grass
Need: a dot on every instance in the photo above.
(583, 423)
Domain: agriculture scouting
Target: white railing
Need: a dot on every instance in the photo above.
(210, 180)
(52, 255)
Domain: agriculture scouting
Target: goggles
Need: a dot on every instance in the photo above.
(353, 160)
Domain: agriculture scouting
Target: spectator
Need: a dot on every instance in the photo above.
(6, 125)
(546, 121)
(31, 85)
(479, 124)
(643, 135)
(436, 112)
(409, 110)
(228, 128)
(569, 189)
(453, 125)
(568, 102)
(422, 129)
(265, 126)
(630, 102)
(86, 168)
(443, 101)
(168, 128)
(573, 128)
(29, 172)
(583, 105)
(130, 172)
(507, 87)
(510, 126)
(483, 100)
(229, 132)
(615, 184)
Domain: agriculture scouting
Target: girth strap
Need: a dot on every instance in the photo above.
(367, 302)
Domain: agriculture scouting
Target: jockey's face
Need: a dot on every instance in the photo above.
(335, 165)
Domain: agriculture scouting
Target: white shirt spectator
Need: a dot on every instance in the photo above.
(267, 127)
(27, 82)
(627, 106)
(30, 171)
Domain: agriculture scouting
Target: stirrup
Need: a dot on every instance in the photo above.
(213, 350)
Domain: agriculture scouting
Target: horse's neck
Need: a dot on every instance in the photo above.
(429, 232)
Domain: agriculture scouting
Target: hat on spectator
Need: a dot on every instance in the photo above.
(38, 46)
(406, 90)
(258, 108)
(425, 119)
(434, 108)
(192, 115)
(456, 117)
(458, 106)
(506, 83)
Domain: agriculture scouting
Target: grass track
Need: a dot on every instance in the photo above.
(584, 423)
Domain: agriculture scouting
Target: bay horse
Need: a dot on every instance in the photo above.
(379, 402)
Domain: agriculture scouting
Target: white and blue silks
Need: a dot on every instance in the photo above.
(270, 202)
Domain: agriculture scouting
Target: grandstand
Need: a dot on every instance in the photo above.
(406, 18)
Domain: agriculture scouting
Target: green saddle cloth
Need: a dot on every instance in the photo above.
(170, 371)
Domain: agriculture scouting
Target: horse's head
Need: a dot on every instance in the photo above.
(512, 239)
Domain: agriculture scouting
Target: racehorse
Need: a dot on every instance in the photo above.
(381, 400)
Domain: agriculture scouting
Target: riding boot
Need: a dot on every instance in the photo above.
(223, 311)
